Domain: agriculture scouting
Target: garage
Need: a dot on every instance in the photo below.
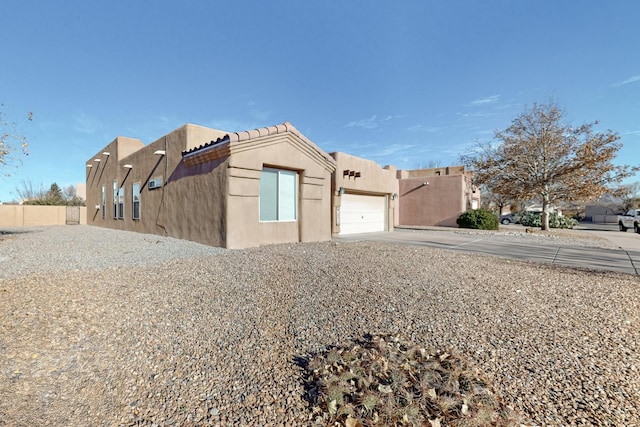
(362, 213)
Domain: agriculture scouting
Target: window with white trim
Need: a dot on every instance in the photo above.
(135, 202)
(115, 199)
(103, 204)
(278, 195)
(121, 203)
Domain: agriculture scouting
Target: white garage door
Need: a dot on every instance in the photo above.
(362, 214)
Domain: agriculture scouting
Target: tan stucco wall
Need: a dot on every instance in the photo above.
(314, 204)
(163, 211)
(194, 203)
(33, 215)
(440, 202)
(373, 180)
(81, 190)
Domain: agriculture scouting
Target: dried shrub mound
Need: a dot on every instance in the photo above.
(390, 381)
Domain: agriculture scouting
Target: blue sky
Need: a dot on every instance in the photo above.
(406, 83)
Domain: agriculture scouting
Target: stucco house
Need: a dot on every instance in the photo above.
(267, 185)
(364, 196)
(242, 189)
(435, 196)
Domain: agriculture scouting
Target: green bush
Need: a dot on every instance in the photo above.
(480, 219)
(531, 219)
(557, 221)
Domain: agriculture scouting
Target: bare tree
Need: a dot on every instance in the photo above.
(540, 157)
(431, 164)
(30, 191)
(622, 198)
(13, 143)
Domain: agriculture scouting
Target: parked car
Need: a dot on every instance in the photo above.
(630, 220)
(512, 218)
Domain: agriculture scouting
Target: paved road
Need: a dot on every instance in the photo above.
(625, 259)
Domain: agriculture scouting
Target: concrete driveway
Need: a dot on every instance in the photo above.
(625, 258)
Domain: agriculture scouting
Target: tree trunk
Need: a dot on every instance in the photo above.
(545, 213)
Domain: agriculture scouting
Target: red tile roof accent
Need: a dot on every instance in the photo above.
(199, 154)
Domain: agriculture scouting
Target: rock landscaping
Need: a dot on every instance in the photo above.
(101, 327)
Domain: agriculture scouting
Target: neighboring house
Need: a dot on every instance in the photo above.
(435, 196)
(599, 214)
(364, 195)
(269, 185)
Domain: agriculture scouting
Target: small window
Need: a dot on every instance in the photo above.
(103, 204)
(135, 203)
(115, 199)
(278, 195)
(121, 203)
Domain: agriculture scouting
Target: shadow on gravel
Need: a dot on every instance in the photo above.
(6, 234)
(10, 232)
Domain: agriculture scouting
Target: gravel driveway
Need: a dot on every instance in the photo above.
(100, 327)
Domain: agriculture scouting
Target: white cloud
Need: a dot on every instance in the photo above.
(421, 128)
(230, 125)
(483, 101)
(370, 123)
(392, 149)
(632, 79)
(84, 123)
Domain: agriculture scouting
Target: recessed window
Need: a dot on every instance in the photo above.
(121, 203)
(115, 199)
(135, 190)
(103, 204)
(278, 195)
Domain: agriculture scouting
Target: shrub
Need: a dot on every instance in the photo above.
(531, 219)
(557, 221)
(480, 219)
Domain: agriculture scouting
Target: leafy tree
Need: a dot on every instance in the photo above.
(540, 157)
(13, 143)
(494, 201)
(54, 195)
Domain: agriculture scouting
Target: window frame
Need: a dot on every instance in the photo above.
(103, 201)
(283, 189)
(115, 199)
(121, 203)
(135, 203)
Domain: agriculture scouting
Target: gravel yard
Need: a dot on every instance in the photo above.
(101, 327)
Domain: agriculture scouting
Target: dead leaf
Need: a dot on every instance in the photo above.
(384, 388)
(432, 393)
(352, 422)
(435, 422)
(332, 406)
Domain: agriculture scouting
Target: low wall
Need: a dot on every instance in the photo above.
(604, 219)
(31, 215)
